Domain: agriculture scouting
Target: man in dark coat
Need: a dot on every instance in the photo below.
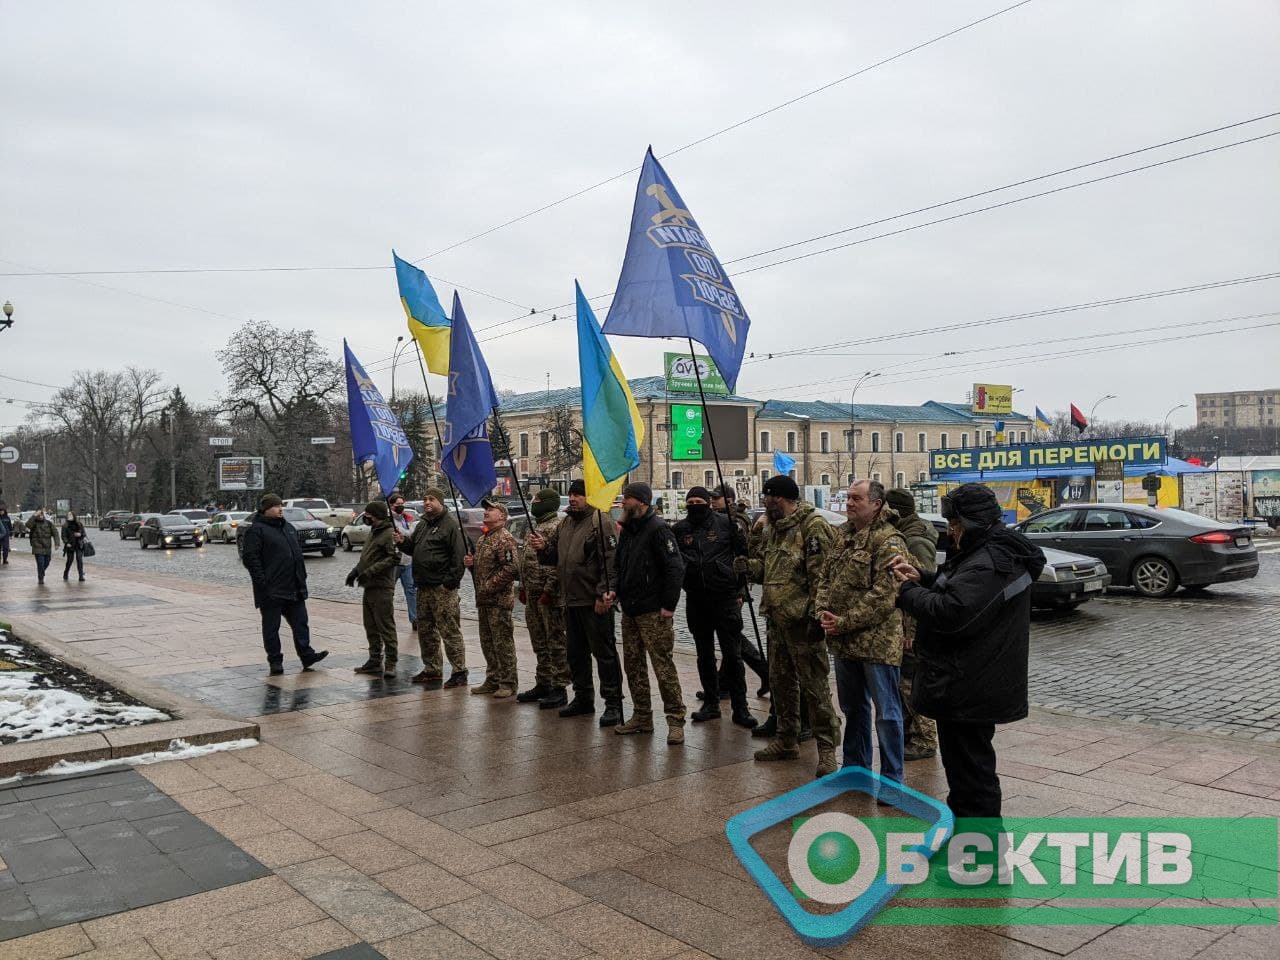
(273, 556)
(973, 626)
(723, 500)
(43, 537)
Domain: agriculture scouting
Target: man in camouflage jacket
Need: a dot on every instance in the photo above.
(921, 733)
(857, 609)
(787, 557)
(494, 566)
(540, 594)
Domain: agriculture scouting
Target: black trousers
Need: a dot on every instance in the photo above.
(295, 614)
(969, 759)
(590, 635)
(76, 557)
(711, 617)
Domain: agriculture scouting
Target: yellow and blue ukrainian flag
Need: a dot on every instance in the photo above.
(428, 323)
(1042, 422)
(612, 430)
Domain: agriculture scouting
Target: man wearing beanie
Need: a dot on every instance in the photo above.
(271, 553)
(376, 573)
(724, 500)
(922, 543)
(581, 549)
(709, 541)
(494, 566)
(437, 547)
(787, 559)
(973, 626)
(540, 593)
(649, 573)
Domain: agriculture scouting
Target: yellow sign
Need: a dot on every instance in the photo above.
(992, 398)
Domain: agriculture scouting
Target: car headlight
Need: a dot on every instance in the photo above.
(168, 539)
(1100, 570)
(1049, 574)
(333, 529)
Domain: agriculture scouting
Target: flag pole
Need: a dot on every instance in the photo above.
(453, 492)
(515, 474)
(706, 427)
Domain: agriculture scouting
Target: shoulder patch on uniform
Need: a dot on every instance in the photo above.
(506, 557)
(670, 545)
(812, 546)
(613, 541)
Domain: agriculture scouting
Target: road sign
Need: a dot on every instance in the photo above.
(8, 454)
(324, 439)
(131, 471)
(220, 441)
(31, 466)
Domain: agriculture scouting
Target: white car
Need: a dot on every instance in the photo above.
(356, 533)
(222, 527)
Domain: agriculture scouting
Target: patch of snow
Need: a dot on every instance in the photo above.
(178, 750)
(29, 712)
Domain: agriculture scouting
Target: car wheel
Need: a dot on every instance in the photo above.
(1154, 577)
(121, 534)
(328, 551)
(346, 543)
(141, 542)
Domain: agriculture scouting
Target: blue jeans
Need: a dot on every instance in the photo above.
(42, 564)
(295, 614)
(410, 593)
(859, 685)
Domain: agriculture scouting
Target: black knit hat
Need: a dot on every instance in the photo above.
(901, 500)
(973, 505)
(268, 501)
(639, 491)
(578, 487)
(725, 491)
(700, 492)
(377, 509)
(781, 486)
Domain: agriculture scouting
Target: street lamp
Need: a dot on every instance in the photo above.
(1101, 401)
(1172, 410)
(866, 375)
(7, 322)
(395, 358)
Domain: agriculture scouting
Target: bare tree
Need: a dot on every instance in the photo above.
(564, 439)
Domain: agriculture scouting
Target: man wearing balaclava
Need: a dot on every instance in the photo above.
(973, 626)
(540, 593)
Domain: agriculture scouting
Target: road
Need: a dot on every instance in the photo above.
(1202, 662)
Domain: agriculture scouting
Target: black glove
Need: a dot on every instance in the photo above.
(740, 566)
(353, 577)
(453, 585)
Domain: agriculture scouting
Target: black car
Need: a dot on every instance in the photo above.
(313, 534)
(112, 519)
(129, 528)
(169, 530)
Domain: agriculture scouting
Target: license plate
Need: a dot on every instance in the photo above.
(1244, 541)
(313, 536)
(1095, 585)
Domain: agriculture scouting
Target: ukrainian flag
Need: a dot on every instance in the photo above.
(428, 323)
(1042, 422)
(611, 427)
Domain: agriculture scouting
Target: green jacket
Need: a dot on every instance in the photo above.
(437, 547)
(860, 589)
(538, 578)
(379, 560)
(787, 557)
(921, 537)
(43, 535)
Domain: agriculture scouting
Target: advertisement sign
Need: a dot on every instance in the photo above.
(241, 473)
(1143, 451)
(992, 398)
(1108, 479)
(683, 378)
(31, 466)
(686, 431)
(1265, 483)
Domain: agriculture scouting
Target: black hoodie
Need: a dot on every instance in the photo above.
(973, 629)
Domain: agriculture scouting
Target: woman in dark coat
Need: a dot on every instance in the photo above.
(972, 642)
(73, 534)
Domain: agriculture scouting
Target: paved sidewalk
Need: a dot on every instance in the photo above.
(399, 822)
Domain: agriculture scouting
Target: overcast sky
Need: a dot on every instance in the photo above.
(158, 136)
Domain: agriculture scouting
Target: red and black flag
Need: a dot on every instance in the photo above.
(1078, 419)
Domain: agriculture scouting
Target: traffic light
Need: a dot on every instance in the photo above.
(1151, 483)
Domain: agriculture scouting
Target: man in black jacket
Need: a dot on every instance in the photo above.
(437, 546)
(973, 626)
(271, 552)
(708, 541)
(649, 572)
(724, 500)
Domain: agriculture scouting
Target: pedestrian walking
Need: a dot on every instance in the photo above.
(6, 534)
(787, 557)
(858, 613)
(973, 626)
(43, 537)
(273, 556)
(404, 568)
(709, 541)
(376, 573)
(649, 570)
(437, 548)
(540, 594)
(581, 548)
(494, 566)
(920, 734)
(73, 541)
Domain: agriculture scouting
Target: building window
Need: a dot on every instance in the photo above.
(544, 443)
(851, 440)
(764, 442)
(791, 441)
(1022, 436)
(964, 441)
(849, 482)
(764, 475)
(902, 479)
(988, 438)
(524, 444)
(739, 473)
(898, 444)
(923, 476)
(677, 479)
(824, 442)
(943, 442)
(875, 477)
(825, 479)
(708, 478)
(922, 442)
(875, 441)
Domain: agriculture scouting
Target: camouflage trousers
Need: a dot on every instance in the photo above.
(798, 666)
(380, 624)
(920, 733)
(498, 646)
(654, 635)
(438, 619)
(546, 636)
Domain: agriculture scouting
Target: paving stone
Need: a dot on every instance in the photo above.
(370, 852)
(358, 951)
(360, 904)
(71, 897)
(438, 942)
(110, 842)
(505, 932)
(26, 826)
(527, 890)
(57, 944)
(313, 939)
(218, 864)
(177, 831)
(282, 849)
(426, 886)
(42, 859)
(147, 880)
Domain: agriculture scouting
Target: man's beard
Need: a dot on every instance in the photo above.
(774, 513)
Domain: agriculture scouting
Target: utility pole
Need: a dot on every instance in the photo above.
(96, 511)
(44, 473)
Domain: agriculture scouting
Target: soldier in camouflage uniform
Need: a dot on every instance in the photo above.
(494, 566)
(540, 594)
(857, 609)
(377, 572)
(437, 547)
(787, 558)
(648, 572)
(922, 542)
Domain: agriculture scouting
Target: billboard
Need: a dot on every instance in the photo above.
(992, 398)
(683, 369)
(241, 473)
(690, 430)
(1143, 451)
(686, 431)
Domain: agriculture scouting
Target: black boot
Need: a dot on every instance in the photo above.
(743, 718)
(370, 666)
(578, 708)
(768, 729)
(276, 668)
(708, 712)
(612, 715)
(533, 694)
(457, 679)
(555, 698)
(315, 658)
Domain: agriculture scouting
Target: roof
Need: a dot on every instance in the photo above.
(1234, 464)
(642, 388)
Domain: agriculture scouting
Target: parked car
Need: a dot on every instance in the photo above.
(199, 517)
(320, 509)
(1152, 549)
(129, 528)
(169, 530)
(222, 526)
(112, 519)
(20, 522)
(313, 534)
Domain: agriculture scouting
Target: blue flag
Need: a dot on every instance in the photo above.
(782, 464)
(376, 434)
(672, 283)
(467, 456)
